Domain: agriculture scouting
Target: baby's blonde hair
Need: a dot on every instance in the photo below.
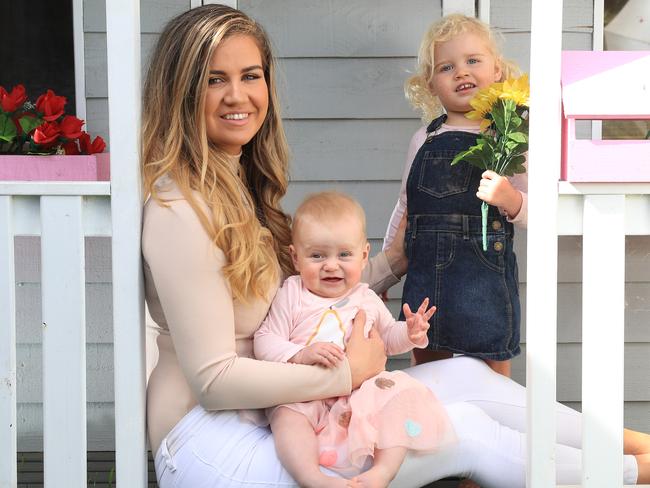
(418, 87)
(328, 205)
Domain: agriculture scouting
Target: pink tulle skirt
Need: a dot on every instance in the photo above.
(389, 410)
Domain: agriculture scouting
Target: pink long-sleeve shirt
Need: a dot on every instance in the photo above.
(298, 318)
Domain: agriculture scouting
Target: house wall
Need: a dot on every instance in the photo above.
(342, 67)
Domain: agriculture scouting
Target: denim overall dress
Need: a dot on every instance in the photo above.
(475, 291)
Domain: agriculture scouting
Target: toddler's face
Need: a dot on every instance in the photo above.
(330, 254)
(463, 65)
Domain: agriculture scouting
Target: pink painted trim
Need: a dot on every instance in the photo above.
(55, 168)
(579, 65)
(615, 161)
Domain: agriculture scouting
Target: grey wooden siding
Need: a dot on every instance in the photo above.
(343, 64)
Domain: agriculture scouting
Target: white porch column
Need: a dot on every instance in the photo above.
(541, 296)
(124, 100)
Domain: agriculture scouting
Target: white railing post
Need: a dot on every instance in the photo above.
(541, 293)
(123, 45)
(603, 342)
(8, 474)
(63, 289)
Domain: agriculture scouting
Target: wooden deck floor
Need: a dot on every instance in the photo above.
(101, 471)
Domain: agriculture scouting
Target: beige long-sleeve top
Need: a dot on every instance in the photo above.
(204, 339)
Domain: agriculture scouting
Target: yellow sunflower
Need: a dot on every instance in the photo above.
(516, 89)
(483, 101)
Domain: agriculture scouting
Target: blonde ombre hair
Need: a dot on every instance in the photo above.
(328, 205)
(418, 87)
(175, 143)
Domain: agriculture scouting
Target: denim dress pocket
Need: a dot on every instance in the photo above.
(439, 178)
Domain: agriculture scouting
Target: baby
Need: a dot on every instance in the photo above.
(309, 322)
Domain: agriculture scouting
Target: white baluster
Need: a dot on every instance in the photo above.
(603, 314)
(7, 345)
(64, 341)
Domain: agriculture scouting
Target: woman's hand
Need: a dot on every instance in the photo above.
(366, 356)
(498, 191)
(417, 324)
(323, 353)
(395, 253)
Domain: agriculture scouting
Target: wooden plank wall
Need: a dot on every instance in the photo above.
(343, 64)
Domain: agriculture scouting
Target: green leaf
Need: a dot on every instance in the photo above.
(518, 137)
(468, 157)
(8, 130)
(462, 155)
(498, 116)
(28, 124)
(511, 145)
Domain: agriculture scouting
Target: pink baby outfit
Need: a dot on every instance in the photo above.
(389, 410)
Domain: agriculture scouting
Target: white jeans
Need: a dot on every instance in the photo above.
(487, 410)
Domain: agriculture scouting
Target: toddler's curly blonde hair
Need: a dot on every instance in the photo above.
(418, 88)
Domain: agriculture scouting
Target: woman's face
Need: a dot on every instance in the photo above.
(237, 98)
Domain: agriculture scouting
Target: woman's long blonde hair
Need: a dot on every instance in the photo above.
(175, 143)
(418, 87)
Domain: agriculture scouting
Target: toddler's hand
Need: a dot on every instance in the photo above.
(417, 323)
(324, 353)
(497, 190)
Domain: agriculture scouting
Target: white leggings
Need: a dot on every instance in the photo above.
(487, 410)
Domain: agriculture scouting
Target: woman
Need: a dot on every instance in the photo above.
(215, 245)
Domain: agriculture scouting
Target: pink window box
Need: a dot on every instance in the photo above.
(55, 168)
(605, 85)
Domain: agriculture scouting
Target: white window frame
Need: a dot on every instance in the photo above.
(79, 59)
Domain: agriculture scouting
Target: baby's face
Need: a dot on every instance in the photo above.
(330, 254)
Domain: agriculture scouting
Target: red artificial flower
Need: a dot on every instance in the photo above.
(97, 146)
(11, 102)
(47, 134)
(50, 105)
(71, 148)
(71, 127)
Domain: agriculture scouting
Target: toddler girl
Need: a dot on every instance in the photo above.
(308, 323)
(476, 291)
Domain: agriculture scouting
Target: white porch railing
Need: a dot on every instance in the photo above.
(62, 214)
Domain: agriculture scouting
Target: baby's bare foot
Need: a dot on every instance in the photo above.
(376, 477)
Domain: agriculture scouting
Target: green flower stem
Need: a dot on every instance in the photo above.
(484, 215)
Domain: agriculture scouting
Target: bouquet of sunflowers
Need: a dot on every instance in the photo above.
(502, 109)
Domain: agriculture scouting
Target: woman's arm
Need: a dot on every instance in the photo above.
(198, 307)
(385, 268)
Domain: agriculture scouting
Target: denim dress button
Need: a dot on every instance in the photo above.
(496, 225)
(498, 246)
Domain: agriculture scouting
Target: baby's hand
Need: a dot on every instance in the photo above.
(417, 323)
(497, 190)
(324, 353)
